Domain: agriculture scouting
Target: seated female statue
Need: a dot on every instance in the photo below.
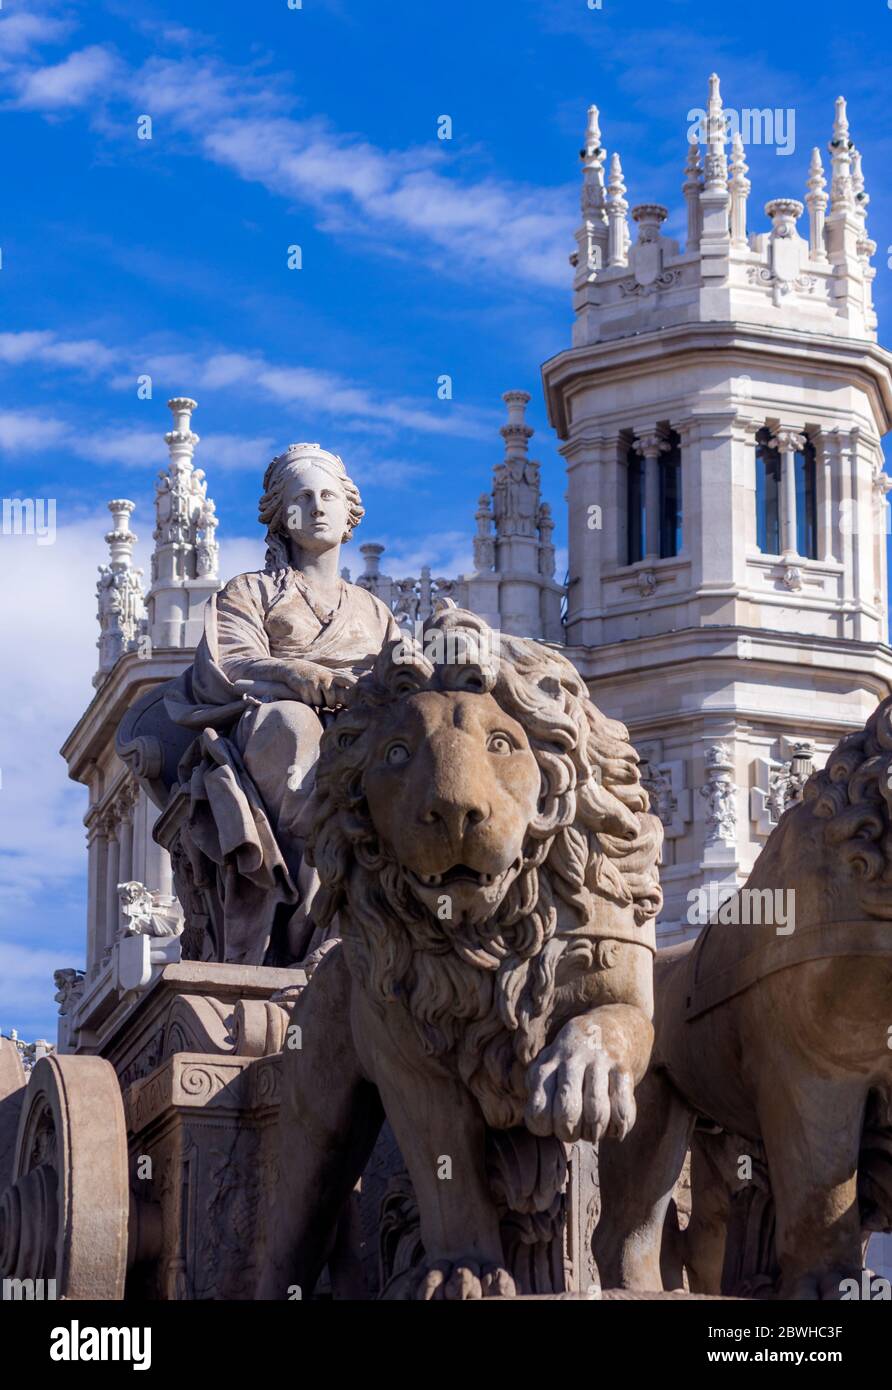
(280, 650)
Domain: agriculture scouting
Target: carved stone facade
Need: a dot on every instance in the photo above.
(513, 585)
(721, 409)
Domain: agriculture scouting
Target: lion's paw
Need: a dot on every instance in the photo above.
(463, 1279)
(576, 1090)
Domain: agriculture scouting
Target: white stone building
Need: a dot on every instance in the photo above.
(720, 410)
(720, 407)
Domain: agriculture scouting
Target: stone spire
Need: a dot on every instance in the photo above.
(816, 201)
(841, 199)
(617, 207)
(715, 198)
(716, 167)
(120, 604)
(186, 550)
(739, 186)
(591, 238)
(860, 197)
(692, 188)
(516, 479)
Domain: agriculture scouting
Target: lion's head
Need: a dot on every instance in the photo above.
(480, 825)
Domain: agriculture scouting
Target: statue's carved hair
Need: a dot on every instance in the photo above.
(853, 794)
(271, 506)
(485, 993)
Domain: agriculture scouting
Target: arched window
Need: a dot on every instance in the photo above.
(636, 530)
(768, 481)
(806, 504)
(670, 501)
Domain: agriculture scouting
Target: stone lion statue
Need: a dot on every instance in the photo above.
(779, 1040)
(484, 845)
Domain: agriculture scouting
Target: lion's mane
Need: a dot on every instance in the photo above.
(484, 994)
(853, 794)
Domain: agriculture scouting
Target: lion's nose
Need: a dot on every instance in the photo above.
(457, 818)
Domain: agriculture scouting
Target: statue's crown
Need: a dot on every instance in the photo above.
(311, 453)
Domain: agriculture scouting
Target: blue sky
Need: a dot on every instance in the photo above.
(318, 127)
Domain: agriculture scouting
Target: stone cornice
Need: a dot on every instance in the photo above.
(871, 660)
(854, 359)
(94, 732)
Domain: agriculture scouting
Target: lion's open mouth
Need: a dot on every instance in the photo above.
(459, 873)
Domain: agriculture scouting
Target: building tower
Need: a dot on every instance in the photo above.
(721, 410)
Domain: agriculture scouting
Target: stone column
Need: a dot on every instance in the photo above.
(788, 442)
(617, 207)
(125, 805)
(650, 446)
(112, 878)
(824, 468)
(833, 443)
(95, 938)
(159, 874)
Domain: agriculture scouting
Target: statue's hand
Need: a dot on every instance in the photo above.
(316, 685)
(262, 692)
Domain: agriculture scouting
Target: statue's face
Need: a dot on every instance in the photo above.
(314, 508)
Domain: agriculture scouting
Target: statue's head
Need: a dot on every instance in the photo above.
(309, 503)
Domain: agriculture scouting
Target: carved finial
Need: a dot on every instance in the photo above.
(517, 432)
(617, 207)
(716, 166)
(591, 238)
(739, 186)
(817, 200)
(860, 196)
(371, 553)
(119, 595)
(840, 147)
(692, 186)
(593, 155)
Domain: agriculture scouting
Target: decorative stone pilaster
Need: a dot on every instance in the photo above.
(720, 793)
(484, 541)
(779, 785)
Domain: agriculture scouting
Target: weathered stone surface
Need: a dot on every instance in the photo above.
(773, 1026)
(482, 837)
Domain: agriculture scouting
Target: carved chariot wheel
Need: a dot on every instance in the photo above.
(64, 1215)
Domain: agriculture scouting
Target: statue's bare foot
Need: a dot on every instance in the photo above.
(577, 1090)
(464, 1279)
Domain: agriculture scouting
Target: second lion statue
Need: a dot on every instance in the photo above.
(487, 857)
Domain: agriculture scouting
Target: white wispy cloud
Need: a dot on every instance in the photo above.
(29, 433)
(68, 84)
(238, 118)
(321, 393)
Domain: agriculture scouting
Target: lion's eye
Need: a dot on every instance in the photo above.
(397, 753)
(499, 743)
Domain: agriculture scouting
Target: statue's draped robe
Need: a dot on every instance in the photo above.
(247, 814)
